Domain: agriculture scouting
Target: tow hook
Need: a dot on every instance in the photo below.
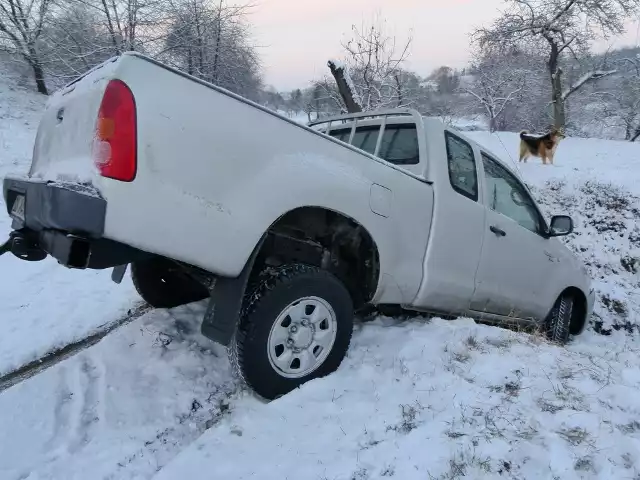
(23, 246)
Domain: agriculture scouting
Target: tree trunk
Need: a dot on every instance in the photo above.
(559, 115)
(344, 89)
(111, 29)
(636, 135)
(555, 73)
(38, 73)
(492, 124)
(399, 89)
(189, 62)
(316, 101)
(216, 56)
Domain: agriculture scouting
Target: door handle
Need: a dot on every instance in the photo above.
(497, 231)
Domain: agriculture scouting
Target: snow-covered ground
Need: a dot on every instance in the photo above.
(414, 399)
(42, 306)
(120, 409)
(438, 400)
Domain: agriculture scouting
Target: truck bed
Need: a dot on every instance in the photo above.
(215, 171)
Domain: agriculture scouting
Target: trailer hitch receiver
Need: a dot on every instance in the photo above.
(23, 246)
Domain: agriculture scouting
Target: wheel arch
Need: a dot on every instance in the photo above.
(288, 241)
(345, 246)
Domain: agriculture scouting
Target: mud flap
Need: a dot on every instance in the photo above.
(117, 274)
(220, 320)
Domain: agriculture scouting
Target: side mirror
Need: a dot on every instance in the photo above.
(561, 225)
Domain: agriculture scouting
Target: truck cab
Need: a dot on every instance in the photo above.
(490, 252)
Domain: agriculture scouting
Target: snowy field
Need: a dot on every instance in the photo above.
(414, 399)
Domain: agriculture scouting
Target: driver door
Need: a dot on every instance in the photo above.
(513, 266)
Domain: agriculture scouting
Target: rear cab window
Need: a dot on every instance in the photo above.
(399, 144)
(365, 138)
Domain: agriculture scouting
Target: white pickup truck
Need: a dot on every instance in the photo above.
(289, 229)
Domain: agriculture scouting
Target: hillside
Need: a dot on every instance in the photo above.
(415, 399)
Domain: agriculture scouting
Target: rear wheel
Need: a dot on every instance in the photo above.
(559, 321)
(163, 284)
(296, 325)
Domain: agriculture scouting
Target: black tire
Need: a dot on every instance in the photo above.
(249, 349)
(163, 284)
(559, 321)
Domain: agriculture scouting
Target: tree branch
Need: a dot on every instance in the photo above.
(587, 77)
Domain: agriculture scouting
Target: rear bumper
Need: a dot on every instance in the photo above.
(65, 221)
(51, 206)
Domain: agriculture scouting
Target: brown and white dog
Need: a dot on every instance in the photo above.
(543, 146)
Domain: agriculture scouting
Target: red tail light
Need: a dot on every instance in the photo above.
(115, 149)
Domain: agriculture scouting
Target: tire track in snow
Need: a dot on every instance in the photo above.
(87, 415)
(123, 408)
(50, 359)
(61, 411)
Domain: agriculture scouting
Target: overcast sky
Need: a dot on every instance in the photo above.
(297, 37)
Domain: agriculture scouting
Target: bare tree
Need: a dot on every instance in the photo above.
(213, 43)
(620, 104)
(374, 61)
(559, 27)
(497, 84)
(446, 79)
(123, 20)
(74, 41)
(21, 25)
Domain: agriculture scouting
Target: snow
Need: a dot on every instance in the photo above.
(120, 408)
(414, 399)
(577, 160)
(338, 64)
(85, 189)
(466, 124)
(79, 170)
(592, 75)
(43, 306)
(437, 400)
(534, 135)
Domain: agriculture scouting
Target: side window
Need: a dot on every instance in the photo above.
(462, 167)
(400, 145)
(507, 196)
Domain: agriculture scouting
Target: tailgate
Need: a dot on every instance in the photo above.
(65, 138)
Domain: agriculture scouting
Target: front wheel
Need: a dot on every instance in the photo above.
(559, 321)
(296, 326)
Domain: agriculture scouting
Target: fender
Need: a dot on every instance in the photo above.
(220, 320)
